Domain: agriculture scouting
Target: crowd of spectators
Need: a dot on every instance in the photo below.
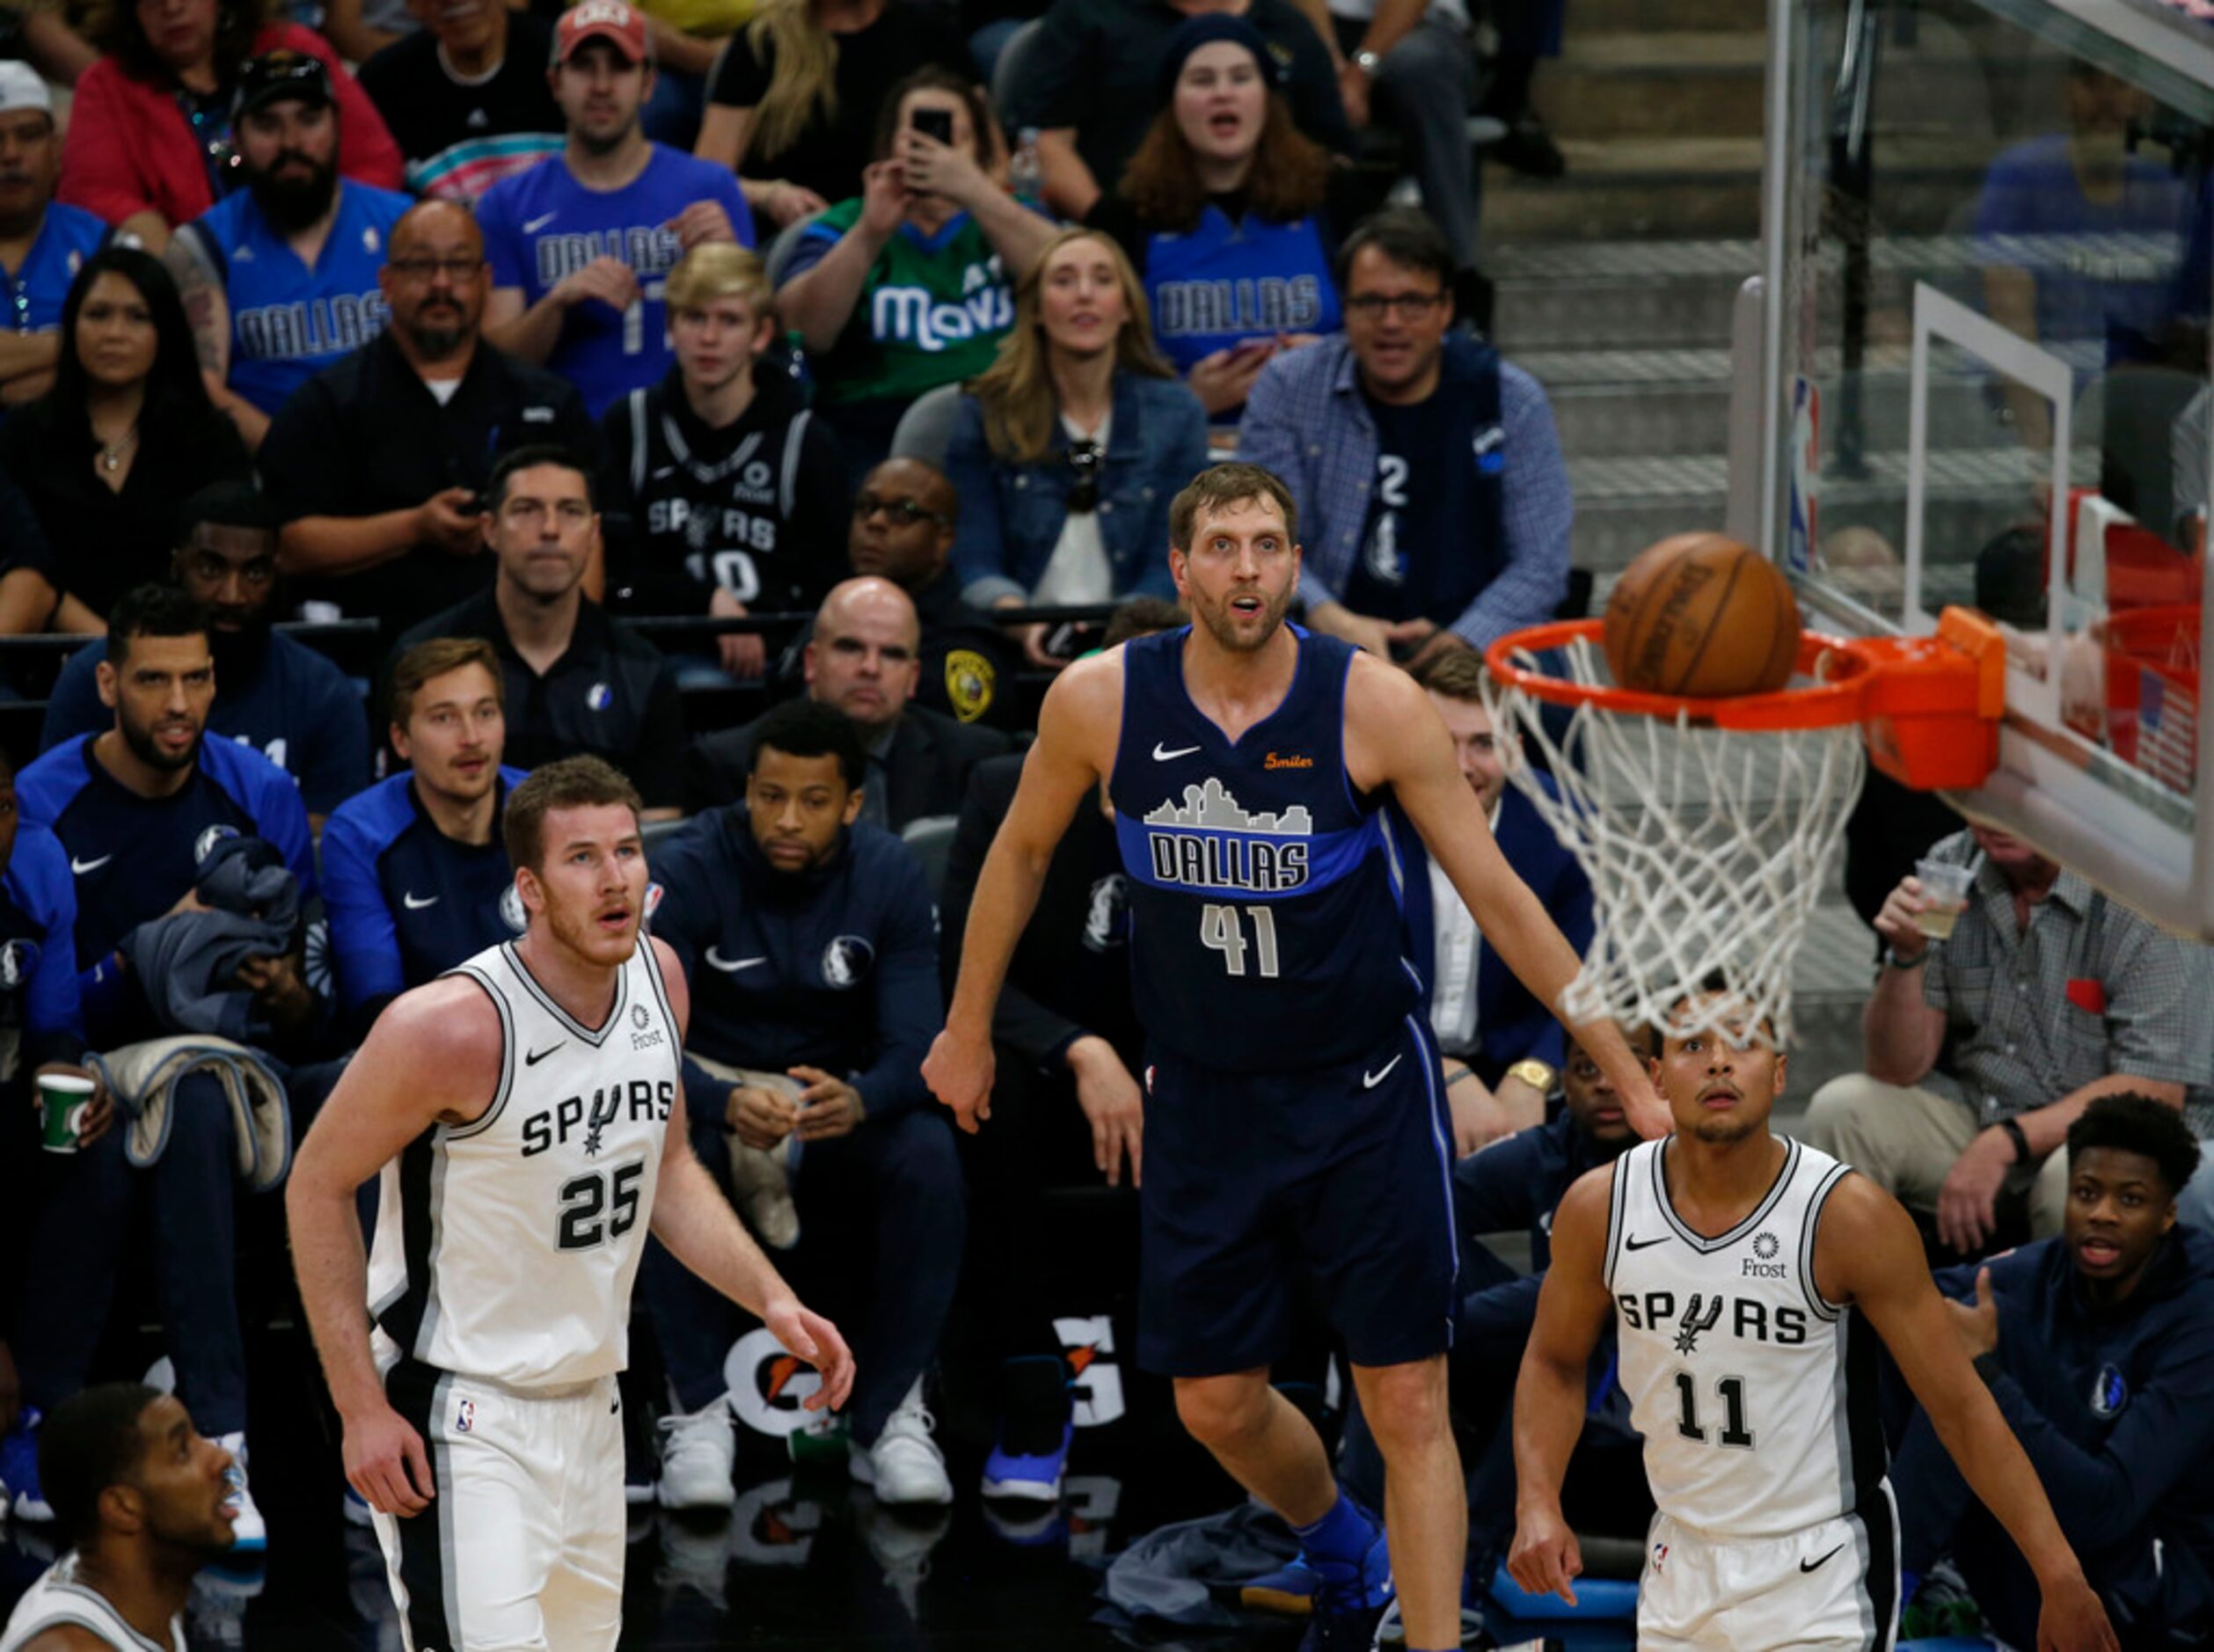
(726, 394)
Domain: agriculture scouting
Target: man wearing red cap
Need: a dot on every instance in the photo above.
(581, 245)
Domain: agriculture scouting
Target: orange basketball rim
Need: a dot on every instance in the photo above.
(1928, 708)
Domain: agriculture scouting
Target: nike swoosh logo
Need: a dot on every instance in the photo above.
(83, 866)
(1370, 1080)
(1639, 1244)
(730, 966)
(531, 226)
(537, 1056)
(1160, 754)
(1812, 1566)
(414, 905)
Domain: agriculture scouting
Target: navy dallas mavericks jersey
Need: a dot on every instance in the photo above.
(1266, 931)
(1221, 283)
(290, 321)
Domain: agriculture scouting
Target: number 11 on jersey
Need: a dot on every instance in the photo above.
(1222, 930)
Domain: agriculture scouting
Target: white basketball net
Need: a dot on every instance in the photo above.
(1707, 849)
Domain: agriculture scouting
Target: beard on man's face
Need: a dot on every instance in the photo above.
(289, 198)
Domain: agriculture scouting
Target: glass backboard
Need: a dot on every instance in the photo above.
(1984, 378)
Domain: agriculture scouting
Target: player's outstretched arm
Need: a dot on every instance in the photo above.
(434, 1053)
(695, 1221)
(1394, 738)
(1867, 1253)
(1573, 1308)
(1078, 726)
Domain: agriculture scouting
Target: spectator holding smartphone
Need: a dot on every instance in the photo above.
(905, 287)
(1221, 213)
(1066, 451)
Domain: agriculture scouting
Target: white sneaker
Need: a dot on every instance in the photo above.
(905, 1464)
(249, 1531)
(698, 1451)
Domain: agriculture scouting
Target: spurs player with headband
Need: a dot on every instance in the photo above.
(527, 1115)
(1294, 1115)
(1749, 1276)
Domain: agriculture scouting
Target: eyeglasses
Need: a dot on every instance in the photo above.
(1411, 306)
(905, 513)
(427, 269)
(1084, 458)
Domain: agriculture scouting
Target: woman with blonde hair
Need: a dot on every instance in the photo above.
(1222, 211)
(792, 100)
(1067, 449)
(720, 494)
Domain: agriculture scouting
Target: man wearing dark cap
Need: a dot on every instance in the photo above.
(280, 278)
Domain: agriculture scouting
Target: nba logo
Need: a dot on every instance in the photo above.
(1659, 1550)
(464, 1415)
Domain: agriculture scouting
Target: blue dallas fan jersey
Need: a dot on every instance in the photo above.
(38, 994)
(290, 321)
(542, 226)
(133, 857)
(1222, 283)
(1265, 927)
(38, 287)
(406, 902)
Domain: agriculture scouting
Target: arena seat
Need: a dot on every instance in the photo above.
(926, 427)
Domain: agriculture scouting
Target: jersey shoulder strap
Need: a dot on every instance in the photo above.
(489, 971)
(641, 420)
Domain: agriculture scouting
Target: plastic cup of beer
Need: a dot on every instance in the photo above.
(62, 1098)
(1945, 887)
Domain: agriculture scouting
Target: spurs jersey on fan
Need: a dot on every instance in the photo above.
(505, 1247)
(1754, 1396)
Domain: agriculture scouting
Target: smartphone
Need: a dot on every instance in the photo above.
(936, 123)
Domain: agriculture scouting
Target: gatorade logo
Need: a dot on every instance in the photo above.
(767, 1385)
(1087, 1341)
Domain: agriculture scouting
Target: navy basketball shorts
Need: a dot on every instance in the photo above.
(1342, 1171)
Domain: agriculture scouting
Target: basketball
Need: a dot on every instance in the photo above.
(1704, 617)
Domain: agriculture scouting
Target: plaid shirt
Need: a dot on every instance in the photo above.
(2088, 990)
(1308, 422)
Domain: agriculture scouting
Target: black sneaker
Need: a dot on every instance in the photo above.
(1035, 1429)
(1529, 149)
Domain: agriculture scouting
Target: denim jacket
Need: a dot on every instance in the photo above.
(1012, 515)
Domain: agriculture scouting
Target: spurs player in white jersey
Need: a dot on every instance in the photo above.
(145, 1500)
(1746, 1274)
(527, 1116)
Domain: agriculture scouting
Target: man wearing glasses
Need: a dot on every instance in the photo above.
(1432, 496)
(863, 660)
(903, 531)
(378, 463)
(276, 695)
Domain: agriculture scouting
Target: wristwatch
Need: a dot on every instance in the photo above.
(1367, 62)
(1894, 958)
(1534, 1073)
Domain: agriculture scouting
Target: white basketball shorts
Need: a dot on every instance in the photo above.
(1832, 1586)
(521, 1549)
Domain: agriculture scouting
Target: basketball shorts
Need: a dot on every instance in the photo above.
(521, 1549)
(1832, 1586)
(1342, 1173)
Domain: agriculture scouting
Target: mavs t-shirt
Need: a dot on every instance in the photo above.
(290, 321)
(1226, 281)
(542, 226)
(932, 312)
(36, 287)
(1424, 554)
